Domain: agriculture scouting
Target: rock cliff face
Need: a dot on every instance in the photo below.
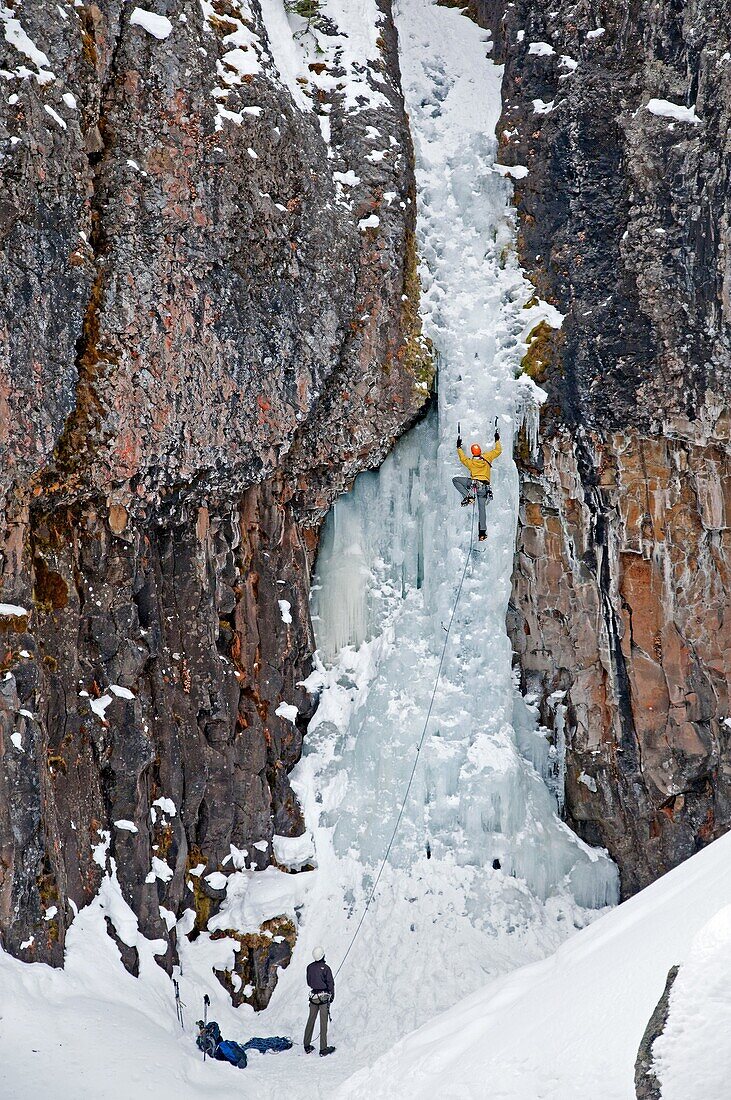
(210, 315)
(620, 123)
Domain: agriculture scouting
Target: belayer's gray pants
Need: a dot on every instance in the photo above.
(324, 1012)
(483, 491)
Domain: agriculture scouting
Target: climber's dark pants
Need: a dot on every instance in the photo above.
(465, 485)
(324, 1012)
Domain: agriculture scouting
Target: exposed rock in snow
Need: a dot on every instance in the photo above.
(647, 1086)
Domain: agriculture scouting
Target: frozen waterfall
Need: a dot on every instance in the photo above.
(392, 552)
(483, 875)
(393, 549)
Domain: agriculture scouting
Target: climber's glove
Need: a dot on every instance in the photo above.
(497, 436)
(459, 442)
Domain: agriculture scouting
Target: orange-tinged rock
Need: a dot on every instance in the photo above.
(117, 518)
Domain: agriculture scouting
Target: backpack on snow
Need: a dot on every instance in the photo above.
(229, 1051)
(208, 1038)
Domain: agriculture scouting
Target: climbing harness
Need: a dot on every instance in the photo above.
(418, 749)
(488, 490)
(320, 998)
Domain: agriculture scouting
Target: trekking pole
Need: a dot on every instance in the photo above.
(206, 1002)
(179, 1005)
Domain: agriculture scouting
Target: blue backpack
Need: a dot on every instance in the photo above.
(229, 1051)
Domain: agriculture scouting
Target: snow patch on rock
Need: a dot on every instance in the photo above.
(159, 26)
(294, 852)
(121, 692)
(12, 609)
(541, 49)
(100, 705)
(287, 711)
(663, 108)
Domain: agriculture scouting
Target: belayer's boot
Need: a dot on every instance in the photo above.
(327, 1050)
(483, 536)
(309, 1049)
(468, 500)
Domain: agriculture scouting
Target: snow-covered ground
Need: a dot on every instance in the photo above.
(569, 1028)
(484, 877)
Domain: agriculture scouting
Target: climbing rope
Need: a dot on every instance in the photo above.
(418, 748)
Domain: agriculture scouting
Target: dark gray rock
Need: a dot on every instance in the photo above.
(621, 582)
(200, 348)
(647, 1086)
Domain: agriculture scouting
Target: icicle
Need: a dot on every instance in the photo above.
(557, 780)
(372, 545)
(530, 398)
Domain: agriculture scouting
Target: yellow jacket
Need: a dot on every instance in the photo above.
(479, 467)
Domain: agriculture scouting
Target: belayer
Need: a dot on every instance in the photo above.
(322, 994)
(478, 483)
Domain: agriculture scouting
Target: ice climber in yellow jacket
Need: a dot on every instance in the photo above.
(478, 483)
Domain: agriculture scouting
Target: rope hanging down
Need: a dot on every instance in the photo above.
(418, 750)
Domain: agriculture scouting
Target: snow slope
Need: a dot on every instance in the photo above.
(569, 1028)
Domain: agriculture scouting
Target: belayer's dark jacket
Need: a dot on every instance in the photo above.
(320, 978)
